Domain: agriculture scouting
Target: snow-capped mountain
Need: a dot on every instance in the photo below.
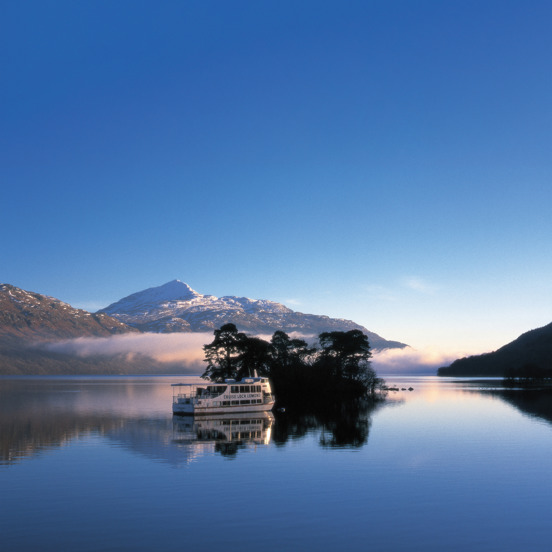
(176, 307)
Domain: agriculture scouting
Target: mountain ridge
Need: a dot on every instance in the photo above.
(30, 315)
(176, 307)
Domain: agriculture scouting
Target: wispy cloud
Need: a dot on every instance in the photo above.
(419, 285)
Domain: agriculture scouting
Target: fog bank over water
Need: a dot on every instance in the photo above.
(187, 348)
(413, 361)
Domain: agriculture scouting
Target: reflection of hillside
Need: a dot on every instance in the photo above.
(151, 438)
(39, 414)
(534, 402)
(24, 434)
(33, 419)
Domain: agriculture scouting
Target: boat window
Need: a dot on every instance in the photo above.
(217, 389)
(235, 402)
(235, 389)
(245, 402)
(244, 388)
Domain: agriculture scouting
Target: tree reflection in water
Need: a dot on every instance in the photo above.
(536, 403)
(345, 425)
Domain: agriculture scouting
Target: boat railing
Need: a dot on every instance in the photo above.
(183, 396)
(194, 395)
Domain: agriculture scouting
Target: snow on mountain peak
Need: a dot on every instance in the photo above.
(167, 293)
(175, 290)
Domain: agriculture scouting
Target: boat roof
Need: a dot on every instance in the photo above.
(225, 382)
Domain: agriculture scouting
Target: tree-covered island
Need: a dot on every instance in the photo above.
(336, 371)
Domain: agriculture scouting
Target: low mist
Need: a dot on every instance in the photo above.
(187, 350)
(412, 361)
(183, 348)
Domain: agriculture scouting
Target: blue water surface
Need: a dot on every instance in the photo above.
(99, 464)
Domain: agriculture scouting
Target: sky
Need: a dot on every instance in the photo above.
(387, 162)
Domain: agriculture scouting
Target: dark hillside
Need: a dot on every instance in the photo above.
(29, 315)
(531, 348)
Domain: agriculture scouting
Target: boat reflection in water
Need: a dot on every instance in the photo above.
(223, 433)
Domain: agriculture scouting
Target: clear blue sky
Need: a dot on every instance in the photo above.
(387, 162)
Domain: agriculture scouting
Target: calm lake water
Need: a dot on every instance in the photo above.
(100, 464)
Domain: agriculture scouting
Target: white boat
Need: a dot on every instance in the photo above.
(246, 395)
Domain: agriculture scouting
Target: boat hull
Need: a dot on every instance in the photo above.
(194, 410)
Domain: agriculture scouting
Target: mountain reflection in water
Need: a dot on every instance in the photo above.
(37, 415)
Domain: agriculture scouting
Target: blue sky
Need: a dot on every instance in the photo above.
(387, 162)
